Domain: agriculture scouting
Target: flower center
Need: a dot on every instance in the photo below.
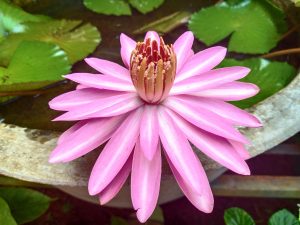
(153, 70)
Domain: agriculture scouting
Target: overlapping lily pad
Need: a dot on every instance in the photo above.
(12, 18)
(254, 26)
(76, 39)
(34, 65)
(145, 6)
(269, 76)
(112, 7)
(121, 7)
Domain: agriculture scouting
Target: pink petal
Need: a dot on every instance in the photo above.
(209, 79)
(68, 133)
(191, 54)
(182, 48)
(233, 91)
(107, 107)
(80, 86)
(180, 152)
(109, 68)
(101, 81)
(88, 137)
(205, 119)
(201, 62)
(229, 112)
(115, 153)
(149, 131)
(217, 148)
(153, 36)
(145, 182)
(240, 149)
(127, 46)
(77, 98)
(117, 183)
(203, 202)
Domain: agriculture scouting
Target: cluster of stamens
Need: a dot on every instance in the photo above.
(153, 69)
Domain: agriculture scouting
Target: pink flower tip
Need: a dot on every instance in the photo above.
(245, 171)
(257, 122)
(220, 49)
(245, 70)
(57, 119)
(67, 76)
(207, 208)
(103, 200)
(92, 189)
(143, 215)
(90, 60)
(54, 159)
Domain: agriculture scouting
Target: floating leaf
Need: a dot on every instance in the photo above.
(270, 76)
(165, 24)
(34, 65)
(26, 205)
(145, 6)
(5, 214)
(76, 39)
(283, 217)
(237, 216)
(254, 26)
(111, 7)
(12, 18)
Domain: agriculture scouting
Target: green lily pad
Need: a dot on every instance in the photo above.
(76, 39)
(34, 65)
(254, 26)
(111, 7)
(145, 6)
(12, 18)
(269, 76)
(237, 216)
(25, 204)
(283, 217)
(5, 214)
(121, 7)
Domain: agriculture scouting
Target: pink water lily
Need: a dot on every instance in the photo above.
(165, 98)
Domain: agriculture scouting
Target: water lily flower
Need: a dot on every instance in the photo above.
(165, 98)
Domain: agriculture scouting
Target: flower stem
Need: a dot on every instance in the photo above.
(290, 31)
(282, 52)
(21, 93)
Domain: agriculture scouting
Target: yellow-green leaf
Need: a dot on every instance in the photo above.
(76, 39)
(145, 6)
(108, 7)
(5, 214)
(34, 65)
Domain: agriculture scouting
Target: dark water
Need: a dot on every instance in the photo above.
(33, 111)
